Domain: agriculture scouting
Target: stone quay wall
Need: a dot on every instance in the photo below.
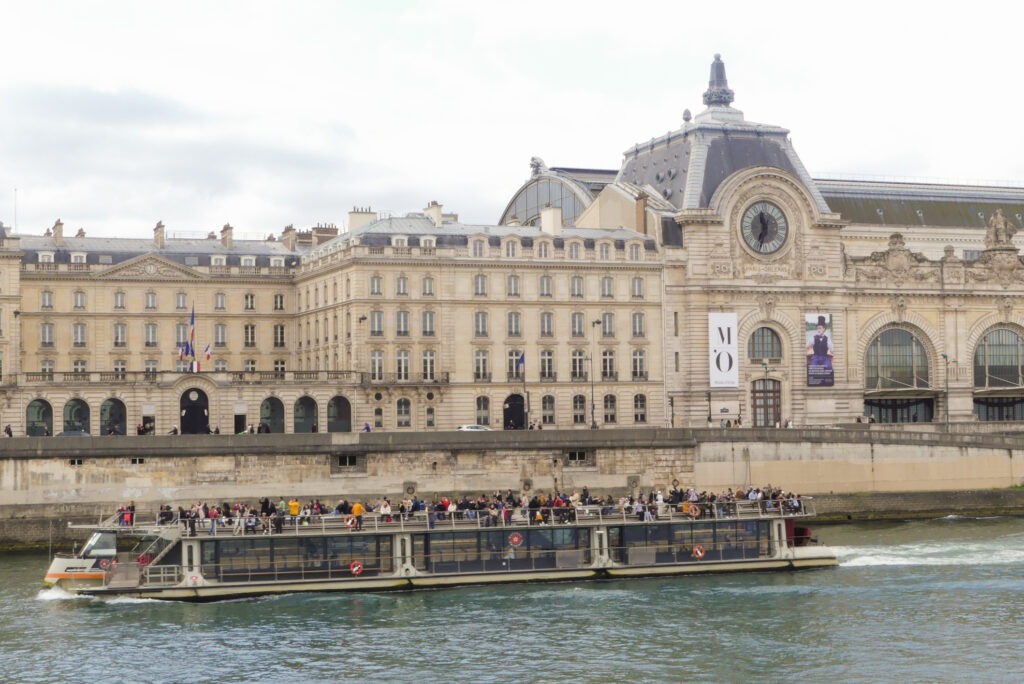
(855, 473)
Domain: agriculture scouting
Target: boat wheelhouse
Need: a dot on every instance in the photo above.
(424, 550)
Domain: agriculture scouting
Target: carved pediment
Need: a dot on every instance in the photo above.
(1000, 265)
(896, 264)
(150, 267)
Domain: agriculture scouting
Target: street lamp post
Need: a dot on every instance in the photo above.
(708, 397)
(946, 394)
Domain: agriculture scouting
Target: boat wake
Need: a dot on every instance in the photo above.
(987, 552)
(58, 594)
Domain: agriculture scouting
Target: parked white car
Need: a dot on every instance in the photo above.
(474, 428)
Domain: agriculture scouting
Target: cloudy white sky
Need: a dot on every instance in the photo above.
(116, 115)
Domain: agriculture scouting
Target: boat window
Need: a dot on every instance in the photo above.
(100, 544)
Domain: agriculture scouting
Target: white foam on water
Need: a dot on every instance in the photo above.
(931, 553)
(58, 594)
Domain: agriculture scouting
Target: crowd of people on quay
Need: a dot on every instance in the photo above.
(267, 516)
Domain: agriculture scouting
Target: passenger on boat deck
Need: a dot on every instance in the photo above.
(293, 507)
(358, 510)
(385, 510)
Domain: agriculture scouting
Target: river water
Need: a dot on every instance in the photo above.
(924, 601)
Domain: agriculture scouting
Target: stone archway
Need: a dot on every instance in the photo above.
(39, 418)
(76, 416)
(513, 416)
(339, 415)
(113, 417)
(195, 412)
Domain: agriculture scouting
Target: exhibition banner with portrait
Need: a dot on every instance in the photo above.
(820, 351)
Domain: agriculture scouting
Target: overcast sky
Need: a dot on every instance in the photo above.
(116, 115)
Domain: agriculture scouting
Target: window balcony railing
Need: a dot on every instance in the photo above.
(579, 376)
(549, 377)
(639, 375)
(516, 376)
(481, 377)
(609, 375)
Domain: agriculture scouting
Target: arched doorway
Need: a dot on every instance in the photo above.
(514, 415)
(339, 415)
(113, 417)
(271, 415)
(766, 400)
(39, 419)
(76, 416)
(305, 415)
(195, 412)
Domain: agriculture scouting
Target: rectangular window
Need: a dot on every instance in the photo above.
(151, 300)
(480, 285)
(376, 365)
(250, 365)
(638, 325)
(577, 324)
(119, 300)
(279, 335)
(579, 410)
(179, 301)
(428, 323)
(46, 368)
(480, 324)
(428, 287)
(220, 335)
(151, 336)
(513, 324)
(481, 372)
(218, 301)
(249, 334)
(376, 323)
(149, 366)
(250, 302)
(545, 286)
(120, 335)
(547, 365)
(180, 334)
(78, 367)
(576, 286)
(46, 299)
(376, 285)
(46, 334)
(402, 285)
(220, 365)
(78, 334)
(429, 363)
(547, 410)
(402, 323)
(608, 325)
(513, 286)
(402, 366)
(120, 369)
(547, 324)
(279, 302)
(78, 300)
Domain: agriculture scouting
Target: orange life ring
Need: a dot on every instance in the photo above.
(698, 551)
(350, 521)
(356, 568)
(692, 510)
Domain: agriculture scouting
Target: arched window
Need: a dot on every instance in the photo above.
(639, 408)
(483, 411)
(896, 359)
(609, 408)
(403, 409)
(547, 404)
(579, 409)
(764, 344)
(998, 360)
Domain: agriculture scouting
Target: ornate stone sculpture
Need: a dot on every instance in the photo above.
(1000, 231)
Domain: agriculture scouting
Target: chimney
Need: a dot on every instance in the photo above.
(227, 236)
(58, 233)
(288, 237)
(641, 213)
(324, 233)
(551, 220)
(159, 236)
(360, 216)
(433, 211)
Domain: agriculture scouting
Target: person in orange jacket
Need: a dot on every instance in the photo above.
(358, 509)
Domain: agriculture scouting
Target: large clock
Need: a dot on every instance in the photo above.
(764, 227)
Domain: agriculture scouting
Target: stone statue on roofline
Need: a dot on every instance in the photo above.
(1000, 231)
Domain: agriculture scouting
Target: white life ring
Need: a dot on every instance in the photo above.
(350, 521)
(356, 568)
(698, 551)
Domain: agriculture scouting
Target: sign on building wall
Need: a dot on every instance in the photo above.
(724, 356)
(820, 350)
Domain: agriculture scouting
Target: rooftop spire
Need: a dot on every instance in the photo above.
(718, 92)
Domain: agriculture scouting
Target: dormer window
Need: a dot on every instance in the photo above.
(510, 248)
(217, 261)
(399, 242)
(429, 243)
(478, 248)
(248, 261)
(46, 257)
(78, 258)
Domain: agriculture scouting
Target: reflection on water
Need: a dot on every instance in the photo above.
(915, 601)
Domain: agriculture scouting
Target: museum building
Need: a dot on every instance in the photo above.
(709, 280)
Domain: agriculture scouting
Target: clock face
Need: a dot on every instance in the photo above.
(764, 227)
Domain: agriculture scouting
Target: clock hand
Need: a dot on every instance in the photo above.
(764, 228)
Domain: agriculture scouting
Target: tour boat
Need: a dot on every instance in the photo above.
(333, 553)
